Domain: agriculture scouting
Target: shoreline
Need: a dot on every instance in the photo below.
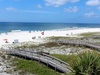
(18, 36)
(59, 29)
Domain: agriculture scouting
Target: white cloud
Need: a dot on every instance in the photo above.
(71, 9)
(91, 14)
(57, 3)
(93, 2)
(39, 6)
(27, 11)
(34, 11)
(11, 9)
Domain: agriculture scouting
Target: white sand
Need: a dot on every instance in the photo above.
(25, 36)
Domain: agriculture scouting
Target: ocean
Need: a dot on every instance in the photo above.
(28, 26)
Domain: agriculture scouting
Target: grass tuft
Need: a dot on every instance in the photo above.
(87, 64)
(33, 67)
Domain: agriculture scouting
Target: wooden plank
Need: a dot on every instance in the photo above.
(80, 43)
(50, 60)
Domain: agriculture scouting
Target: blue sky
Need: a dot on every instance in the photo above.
(64, 11)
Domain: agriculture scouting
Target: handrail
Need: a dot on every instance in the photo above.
(44, 55)
(56, 59)
(80, 42)
(48, 59)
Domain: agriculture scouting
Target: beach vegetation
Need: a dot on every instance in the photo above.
(89, 34)
(48, 44)
(33, 67)
(57, 38)
(86, 63)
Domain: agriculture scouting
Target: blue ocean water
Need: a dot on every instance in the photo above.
(24, 26)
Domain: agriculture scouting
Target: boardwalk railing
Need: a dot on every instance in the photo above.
(56, 63)
(80, 43)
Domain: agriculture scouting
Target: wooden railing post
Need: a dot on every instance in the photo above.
(25, 54)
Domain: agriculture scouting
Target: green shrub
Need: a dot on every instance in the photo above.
(87, 64)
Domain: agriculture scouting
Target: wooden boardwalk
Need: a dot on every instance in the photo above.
(56, 63)
(79, 43)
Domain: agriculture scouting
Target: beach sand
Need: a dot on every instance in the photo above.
(14, 38)
(37, 36)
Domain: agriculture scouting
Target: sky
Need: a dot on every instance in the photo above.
(59, 11)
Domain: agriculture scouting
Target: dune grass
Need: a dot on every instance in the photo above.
(58, 38)
(33, 67)
(48, 45)
(89, 34)
(86, 63)
(67, 58)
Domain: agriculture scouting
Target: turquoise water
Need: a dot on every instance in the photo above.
(8, 26)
